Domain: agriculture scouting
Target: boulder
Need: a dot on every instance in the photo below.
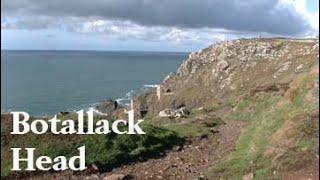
(181, 113)
(64, 113)
(249, 176)
(116, 177)
(299, 68)
(223, 65)
(108, 107)
(172, 113)
(166, 113)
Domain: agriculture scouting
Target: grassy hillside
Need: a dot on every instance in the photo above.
(283, 135)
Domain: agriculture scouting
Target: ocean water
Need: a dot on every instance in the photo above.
(47, 82)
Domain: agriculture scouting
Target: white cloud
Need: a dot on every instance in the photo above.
(105, 27)
(235, 15)
(126, 30)
(314, 20)
(300, 7)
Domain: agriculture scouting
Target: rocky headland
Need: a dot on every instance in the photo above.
(242, 109)
(227, 70)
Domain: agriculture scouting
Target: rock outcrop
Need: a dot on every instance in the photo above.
(174, 113)
(227, 68)
(108, 107)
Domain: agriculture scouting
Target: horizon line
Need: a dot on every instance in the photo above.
(114, 50)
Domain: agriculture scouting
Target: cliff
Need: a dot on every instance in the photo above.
(271, 85)
(230, 69)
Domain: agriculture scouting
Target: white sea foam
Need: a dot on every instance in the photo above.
(125, 100)
(151, 85)
(97, 111)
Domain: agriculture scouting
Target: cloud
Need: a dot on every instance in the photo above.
(121, 30)
(125, 30)
(179, 22)
(300, 8)
(250, 15)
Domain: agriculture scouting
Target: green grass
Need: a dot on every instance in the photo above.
(192, 129)
(111, 150)
(248, 154)
(197, 124)
(107, 151)
(266, 118)
(309, 144)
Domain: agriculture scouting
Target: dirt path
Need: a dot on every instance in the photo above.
(187, 163)
(307, 172)
(191, 161)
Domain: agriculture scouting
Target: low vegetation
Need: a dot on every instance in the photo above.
(105, 151)
(283, 134)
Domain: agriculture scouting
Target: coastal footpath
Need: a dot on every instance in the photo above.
(242, 109)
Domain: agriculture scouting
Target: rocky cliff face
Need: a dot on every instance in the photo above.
(229, 69)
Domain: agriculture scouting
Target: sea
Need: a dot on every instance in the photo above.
(48, 82)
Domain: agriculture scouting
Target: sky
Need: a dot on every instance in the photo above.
(150, 25)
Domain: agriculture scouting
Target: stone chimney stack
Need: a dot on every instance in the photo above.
(159, 92)
(131, 104)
